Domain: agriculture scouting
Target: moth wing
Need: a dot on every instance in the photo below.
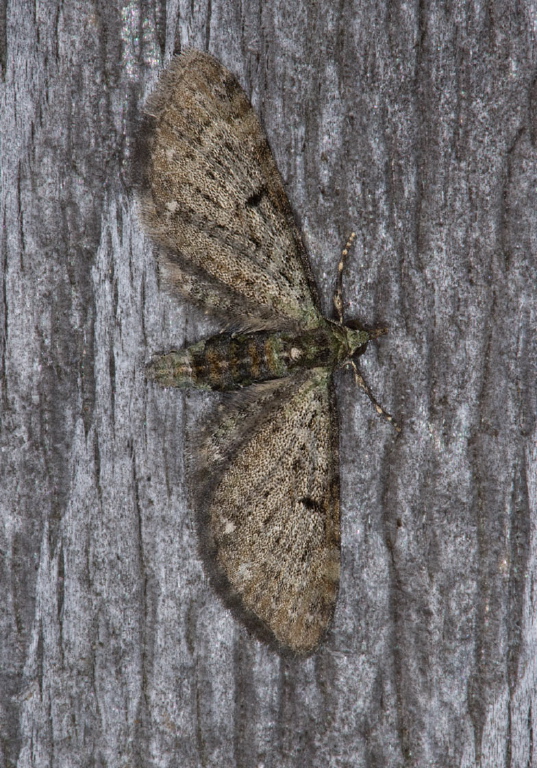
(216, 299)
(212, 196)
(268, 474)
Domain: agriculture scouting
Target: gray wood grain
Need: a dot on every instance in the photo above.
(414, 125)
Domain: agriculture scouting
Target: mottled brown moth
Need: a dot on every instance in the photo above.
(265, 474)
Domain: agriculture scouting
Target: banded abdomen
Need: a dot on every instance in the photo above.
(230, 361)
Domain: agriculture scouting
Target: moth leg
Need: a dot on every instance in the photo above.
(359, 379)
(338, 294)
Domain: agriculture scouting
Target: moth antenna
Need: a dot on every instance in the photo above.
(359, 379)
(338, 294)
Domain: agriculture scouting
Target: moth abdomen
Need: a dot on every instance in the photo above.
(231, 361)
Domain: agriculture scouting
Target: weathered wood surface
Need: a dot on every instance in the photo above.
(414, 124)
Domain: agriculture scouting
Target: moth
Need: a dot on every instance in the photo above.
(265, 472)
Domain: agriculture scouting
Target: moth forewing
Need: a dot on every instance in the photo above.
(213, 197)
(266, 478)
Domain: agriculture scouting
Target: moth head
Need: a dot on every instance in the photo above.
(356, 338)
(355, 341)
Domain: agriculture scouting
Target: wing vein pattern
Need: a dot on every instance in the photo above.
(266, 472)
(213, 198)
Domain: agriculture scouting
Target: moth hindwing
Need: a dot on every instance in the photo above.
(266, 472)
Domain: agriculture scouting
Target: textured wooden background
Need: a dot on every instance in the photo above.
(413, 123)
